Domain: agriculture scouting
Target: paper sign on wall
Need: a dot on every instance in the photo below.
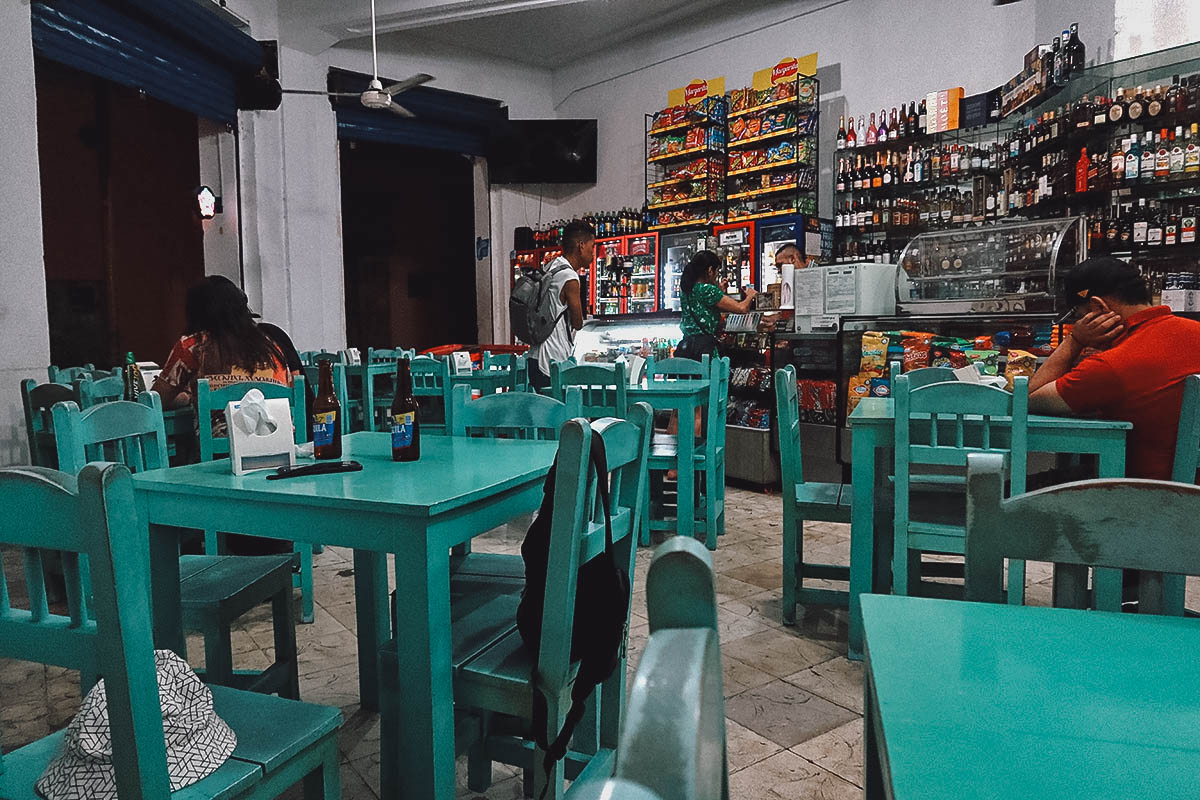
(786, 70)
(696, 91)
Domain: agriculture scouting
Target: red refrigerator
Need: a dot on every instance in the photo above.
(625, 278)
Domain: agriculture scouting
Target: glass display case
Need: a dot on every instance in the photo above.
(609, 339)
(994, 269)
(675, 251)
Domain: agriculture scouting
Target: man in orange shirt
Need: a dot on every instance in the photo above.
(1145, 352)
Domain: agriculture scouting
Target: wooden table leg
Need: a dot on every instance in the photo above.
(862, 532)
(372, 611)
(426, 704)
(873, 782)
(164, 589)
(1107, 583)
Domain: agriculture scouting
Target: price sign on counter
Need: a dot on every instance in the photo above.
(841, 291)
(809, 294)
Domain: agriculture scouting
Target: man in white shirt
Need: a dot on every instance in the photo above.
(579, 252)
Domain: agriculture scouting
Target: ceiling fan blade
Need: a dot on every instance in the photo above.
(408, 83)
(401, 111)
(322, 94)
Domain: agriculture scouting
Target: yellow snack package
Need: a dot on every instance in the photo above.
(874, 353)
(1020, 362)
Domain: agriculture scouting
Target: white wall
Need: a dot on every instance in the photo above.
(24, 333)
(219, 172)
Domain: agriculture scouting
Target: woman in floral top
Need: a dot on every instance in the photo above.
(703, 297)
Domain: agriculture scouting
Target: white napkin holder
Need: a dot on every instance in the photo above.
(260, 433)
(462, 363)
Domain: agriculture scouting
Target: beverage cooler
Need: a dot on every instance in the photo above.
(625, 279)
(675, 250)
(735, 249)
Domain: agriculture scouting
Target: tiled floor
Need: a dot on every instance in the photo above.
(794, 702)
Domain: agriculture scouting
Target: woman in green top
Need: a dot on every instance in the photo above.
(702, 297)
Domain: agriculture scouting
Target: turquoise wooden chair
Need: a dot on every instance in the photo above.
(941, 424)
(518, 364)
(498, 681)
(1077, 526)
(37, 400)
(279, 741)
(71, 374)
(101, 390)
(805, 501)
(210, 401)
(389, 354)
(709, 460)
(668, 369)
(922, 376)
(604, 387)
(432, 381)
(312, 378)
(308, 357)
(672, 744)
(215, 590)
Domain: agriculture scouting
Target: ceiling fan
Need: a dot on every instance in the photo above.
(377, 95)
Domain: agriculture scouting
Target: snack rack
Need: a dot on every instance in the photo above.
(685, 165)
(750, 418)
(772, 142)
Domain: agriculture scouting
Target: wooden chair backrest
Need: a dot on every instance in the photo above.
(1187, 441)
(37, 400)
(313, 356)
(431, 378)
(667, 750)
(87, 372)
(512, 415)
(121, 431)
(93, 516)
(210, 400)
(513, 363)
(389, 354)
(577, 533)
(1123, 523)
(670, 369)
(975, 414)
(787, 419)
(604, 387)
(312, 377)
(101, 390)
(922, 376)
(718, 401)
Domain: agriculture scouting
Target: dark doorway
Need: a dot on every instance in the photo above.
(121, 231)
(408, 228)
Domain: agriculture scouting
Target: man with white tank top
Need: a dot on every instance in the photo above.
(579, 252)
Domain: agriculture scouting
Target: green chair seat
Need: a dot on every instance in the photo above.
(825, 502)
(23, 767)
(498, 677)
(231, 582)
(487, 565)
(272, 730)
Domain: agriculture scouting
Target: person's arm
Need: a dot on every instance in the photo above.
(731, 306)
(172, 382)
(570, 296)
(1091, 384)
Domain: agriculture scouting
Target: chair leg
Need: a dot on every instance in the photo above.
(721, 495)
(644, 527)
(218, 653)
(793, 533)
(325, 782)
(389, 731)
(710, 504)
(212, 543)
(285, 642)
(555, 716)
(479, 763)
(307, 611)
(1016, 582)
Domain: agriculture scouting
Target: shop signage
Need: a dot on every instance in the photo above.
(696, 91)
(786, 70)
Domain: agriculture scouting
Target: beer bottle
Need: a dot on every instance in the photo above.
(326, 411)
(406, 430)
(132, 378)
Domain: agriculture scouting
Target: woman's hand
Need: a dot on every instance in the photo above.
(751, 293)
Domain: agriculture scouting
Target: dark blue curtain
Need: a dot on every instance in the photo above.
(174, 50)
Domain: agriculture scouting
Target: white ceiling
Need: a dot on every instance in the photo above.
(541, 33)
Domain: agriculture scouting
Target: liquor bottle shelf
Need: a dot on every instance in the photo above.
(762, 215)
(892, 189)
(691, 223)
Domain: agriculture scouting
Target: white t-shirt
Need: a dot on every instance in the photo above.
(558, 346)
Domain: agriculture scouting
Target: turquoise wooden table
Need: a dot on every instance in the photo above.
(871, 536)
(684, 397)
(983, 700)
(460, 488)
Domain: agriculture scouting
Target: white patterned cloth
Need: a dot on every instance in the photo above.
(197, 740)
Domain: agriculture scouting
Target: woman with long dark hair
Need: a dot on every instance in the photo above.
(702, 298)
(223, 344)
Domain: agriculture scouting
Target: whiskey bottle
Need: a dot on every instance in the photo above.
(1162, 156)
(1191, 151)
(1176, 157)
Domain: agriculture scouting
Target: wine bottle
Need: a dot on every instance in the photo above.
(1075, 51)
(1148, 153)
(841, 134)
(851, 138)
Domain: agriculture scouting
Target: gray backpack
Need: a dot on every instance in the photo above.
(530, 306)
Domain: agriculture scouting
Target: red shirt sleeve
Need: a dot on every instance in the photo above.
(180, 368)
(1092, 385)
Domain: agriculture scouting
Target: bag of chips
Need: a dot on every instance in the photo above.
(1020, 362)
(874, 353)
(986, 361)
(860, 387)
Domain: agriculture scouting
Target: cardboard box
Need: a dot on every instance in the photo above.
(942, 108)
(1176, 299)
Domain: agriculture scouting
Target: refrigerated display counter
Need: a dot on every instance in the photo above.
(607, 339)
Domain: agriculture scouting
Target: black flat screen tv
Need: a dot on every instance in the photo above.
(543, 151)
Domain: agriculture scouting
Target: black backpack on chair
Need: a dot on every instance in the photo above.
(601, 620)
